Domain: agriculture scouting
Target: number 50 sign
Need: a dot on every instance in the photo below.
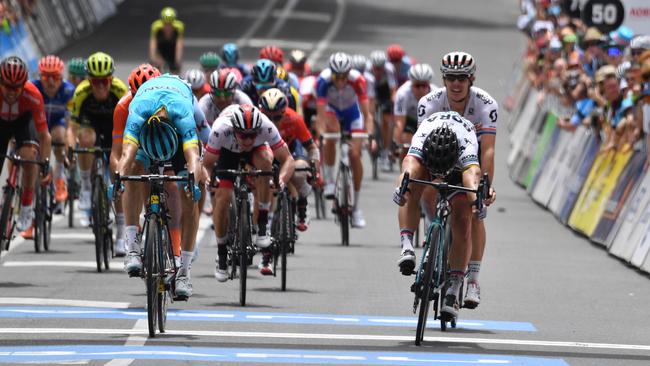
(606, 15)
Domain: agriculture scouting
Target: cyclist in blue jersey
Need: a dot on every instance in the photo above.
(159, 103)
(230, 58)
(57, 94)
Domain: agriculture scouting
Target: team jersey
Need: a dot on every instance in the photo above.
(406, 104)
(385, 80)
(30, 101)
(248, 87)
(370, 84)
(292, 127)
(481, 109)
(465, 133)
(57, 107)
(308, 91)
(169, 92)
(402, 75)
(341, 99)
(86, 110)
(212, 111)
(122, 112)
(222, 134)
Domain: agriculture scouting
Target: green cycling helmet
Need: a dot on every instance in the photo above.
(77, 67)
(168, 14)
(210, 60)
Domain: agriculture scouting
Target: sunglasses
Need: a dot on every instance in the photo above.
(457, 77)
(53, 77)
(223, 93)
(420, 85)
(98, 82)
(246, 135)
(12, 88)
(340, 76)
(264, 86)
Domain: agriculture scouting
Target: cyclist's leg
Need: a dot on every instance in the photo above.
(299, 181)
(87, 138)
(352, 121)
(221, 213)
(57, 130)
(409, 214)
(262, 158)
(134, 194)
(474, 266)
(461, 216)
(120, 248)
(27, 148)
(329, 152)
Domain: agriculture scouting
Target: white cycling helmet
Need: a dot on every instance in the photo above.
(421, 72)
(246, 118)
(457, 62)
(378, 58)
(195, 78)
(340, 63)
(640, 42)
(359, 62)
(223, 79)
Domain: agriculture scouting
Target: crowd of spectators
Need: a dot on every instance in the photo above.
(603, 80)
(9, 13)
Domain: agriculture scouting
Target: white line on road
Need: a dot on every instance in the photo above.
(333, 336)
(261, 17)
(282, 18)
(132, 340)
(81, 264)
(83, 235)
(62, 302)
(331, 32)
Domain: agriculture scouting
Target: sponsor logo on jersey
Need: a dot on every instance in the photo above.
(484, 98)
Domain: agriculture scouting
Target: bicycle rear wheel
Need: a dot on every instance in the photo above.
(49, 213)
(152, 270)
(72, 192)
(285, 236)
(6, 218)
(39, 218)
(167, 276)
(429, 281)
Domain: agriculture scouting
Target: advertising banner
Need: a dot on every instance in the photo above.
(578, 179)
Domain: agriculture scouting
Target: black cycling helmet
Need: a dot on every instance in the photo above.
(440, 151)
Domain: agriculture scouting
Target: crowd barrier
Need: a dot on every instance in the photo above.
(604, 196)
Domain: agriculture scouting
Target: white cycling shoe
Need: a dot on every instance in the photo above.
(85, 200)
(473, 295)
(357, 219)
(25, 218)
(328, 191)
(133, 264)
(183, 286)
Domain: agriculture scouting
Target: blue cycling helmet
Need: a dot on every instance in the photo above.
(264, 71)
(159, 139)
(230, 54)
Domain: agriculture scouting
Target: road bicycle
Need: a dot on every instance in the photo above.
(431, 276)
(159, 267)
(240, 230)
(101, 208)
(344, 188)
(11, 204)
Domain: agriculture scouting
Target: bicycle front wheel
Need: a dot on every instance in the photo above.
(98, 230)
(245, 240)
(428, 283)
(152, 269)
(285, 238)
(49, 212)
(6, 218)
(72, 192)
(345, 204)
(39, 218)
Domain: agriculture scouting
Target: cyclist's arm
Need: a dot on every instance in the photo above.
(153, 50)
(487, 154)
(367, 116)
(471, 178)
(71, 134)
(128, 156)
(42, 131)
(193, 164)
(287, 166)
(400, 122)
(45, 141)
(179, 50)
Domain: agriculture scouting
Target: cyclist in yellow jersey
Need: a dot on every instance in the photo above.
(91, 122)
(166, 41)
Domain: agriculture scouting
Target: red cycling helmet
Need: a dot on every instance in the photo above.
(272, 53)
(140, 74)
(51, 65)
(13, 71)
(395, 53)
(223, 79)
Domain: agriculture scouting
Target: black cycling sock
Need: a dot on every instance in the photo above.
(262, 221)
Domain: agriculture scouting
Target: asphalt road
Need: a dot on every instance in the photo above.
(548, 296)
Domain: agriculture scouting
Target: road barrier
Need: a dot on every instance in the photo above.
(603, 195)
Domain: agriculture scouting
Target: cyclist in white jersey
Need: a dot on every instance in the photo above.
(443, 147)
(223, 92)
(243, 132)
(406, 102)
(459, 95)
(384, 85)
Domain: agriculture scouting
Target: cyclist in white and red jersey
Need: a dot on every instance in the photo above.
(385, 86)
(223, 92)
(243, 132)
(474, 104)
(343, 105)
(406, 102)
(401, 63)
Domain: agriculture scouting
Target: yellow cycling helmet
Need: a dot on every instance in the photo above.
(99, 64)
(168, 14)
